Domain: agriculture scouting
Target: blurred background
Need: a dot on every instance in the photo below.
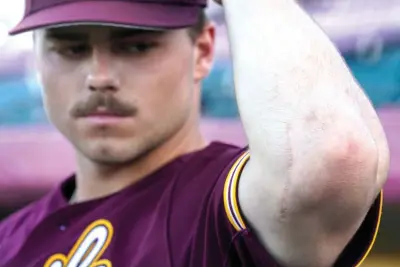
(34, 157)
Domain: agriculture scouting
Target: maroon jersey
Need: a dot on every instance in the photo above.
(185, 214)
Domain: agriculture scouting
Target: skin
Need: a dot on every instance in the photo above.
(152, 79)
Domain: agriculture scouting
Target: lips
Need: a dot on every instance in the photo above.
(102, 117)
(104, 112)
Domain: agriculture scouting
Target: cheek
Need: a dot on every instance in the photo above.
(169, 89)
(58, 91)
(166, 87)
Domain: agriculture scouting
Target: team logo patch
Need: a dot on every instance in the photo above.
(88, 249)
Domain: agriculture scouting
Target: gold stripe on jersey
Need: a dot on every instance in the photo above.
(231, 204)
(378, 222)
(235, 217)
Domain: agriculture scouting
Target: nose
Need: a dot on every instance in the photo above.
(102, 76)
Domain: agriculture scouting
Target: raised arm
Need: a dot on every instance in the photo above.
(318, 154)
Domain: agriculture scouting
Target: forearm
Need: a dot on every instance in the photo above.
(294, 91)
(318, 152)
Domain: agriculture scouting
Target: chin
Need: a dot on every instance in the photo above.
(112, 152)
(119, 150)
(110, 160)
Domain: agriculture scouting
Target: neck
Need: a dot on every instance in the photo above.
(94, 181)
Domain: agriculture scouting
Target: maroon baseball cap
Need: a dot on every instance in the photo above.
(147, 14)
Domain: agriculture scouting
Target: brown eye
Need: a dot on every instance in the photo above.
(74, 51)
(133, 48)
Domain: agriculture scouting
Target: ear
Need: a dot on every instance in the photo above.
(204, 52)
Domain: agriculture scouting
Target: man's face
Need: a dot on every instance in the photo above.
(118, 93)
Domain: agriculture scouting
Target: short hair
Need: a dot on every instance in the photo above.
(196, 29)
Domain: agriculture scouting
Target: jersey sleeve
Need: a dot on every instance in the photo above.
(247, 250)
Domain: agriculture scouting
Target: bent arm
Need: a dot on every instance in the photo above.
(319, 156)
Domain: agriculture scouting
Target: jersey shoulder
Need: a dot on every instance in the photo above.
(196, 206)
(213, 160)
(202, 170)
(206, 165)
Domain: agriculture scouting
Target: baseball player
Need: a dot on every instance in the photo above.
(121, 81)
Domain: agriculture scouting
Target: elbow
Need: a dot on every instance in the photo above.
(351, 172)
(356, 160)
(342, 173)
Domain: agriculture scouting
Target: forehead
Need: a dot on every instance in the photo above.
(84, 32)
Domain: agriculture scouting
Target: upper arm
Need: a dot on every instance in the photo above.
(261, 246)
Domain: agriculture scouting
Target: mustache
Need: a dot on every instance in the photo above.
(108, 102)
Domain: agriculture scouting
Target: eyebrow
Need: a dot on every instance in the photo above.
(81, 36)
(122, 34)
(66, 36)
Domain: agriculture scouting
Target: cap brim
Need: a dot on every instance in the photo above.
(115, 13)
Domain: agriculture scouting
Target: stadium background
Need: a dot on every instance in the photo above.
(33, 156)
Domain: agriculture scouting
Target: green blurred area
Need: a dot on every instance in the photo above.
(386, 251)
(382, 261)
